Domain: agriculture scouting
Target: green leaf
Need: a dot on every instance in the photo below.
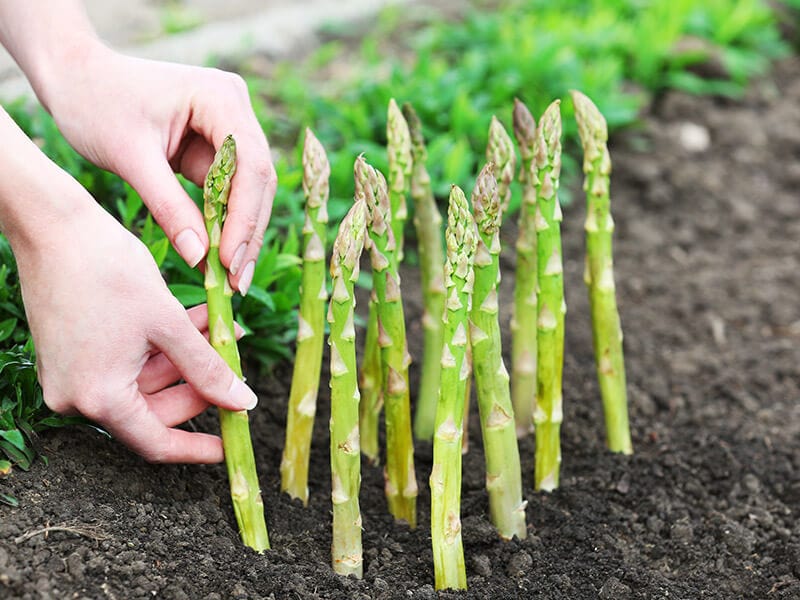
(188, 294)
(9, 499)
(15, 437)
(7, 327)
(159, 250)
(261, 296)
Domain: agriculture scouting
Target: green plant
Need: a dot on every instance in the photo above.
(599, 274)
(400, 477)
(445, 479)
(344, 444)
(550, 303)
(523, 321)
(503, 474)
(311, 324)
(239, 458)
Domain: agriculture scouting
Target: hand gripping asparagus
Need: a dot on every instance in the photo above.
(401, 482)
(311, 324)
(503, 474)
(599, 274)
(445, 480)
(239, 459)
(523, 322)
(428, 224)
(545, 169)
(345, 456)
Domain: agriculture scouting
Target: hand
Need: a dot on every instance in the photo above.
(145, 120)
(110, 338)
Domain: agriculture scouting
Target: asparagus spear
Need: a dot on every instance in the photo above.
(428, 224)
(545, 171)
(398, 147)
(523, 321)
(500, 152)
(401, 482)
(370, 378)
(445, 480)
(345, 458)
(311, 323)
(503, 475)
(599, 275)
(238, 446)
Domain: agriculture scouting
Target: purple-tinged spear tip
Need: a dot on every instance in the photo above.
(486, 202)
(524, 129)
(593, 132)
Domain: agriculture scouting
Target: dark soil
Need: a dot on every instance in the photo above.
(708, 270)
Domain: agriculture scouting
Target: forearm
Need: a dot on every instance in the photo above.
(45, 37)
(32, 189)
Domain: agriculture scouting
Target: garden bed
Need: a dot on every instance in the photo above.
(708, 276)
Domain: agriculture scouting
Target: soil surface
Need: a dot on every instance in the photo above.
(705, 196)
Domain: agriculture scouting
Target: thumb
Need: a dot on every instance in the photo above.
(170, 205)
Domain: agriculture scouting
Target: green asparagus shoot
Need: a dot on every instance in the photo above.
(400, 477)
(599, 273)
(523, 321)
(445, 479)
(239, 458)
(311, 323)
(503, 474)
(346, 550)
(545, 171)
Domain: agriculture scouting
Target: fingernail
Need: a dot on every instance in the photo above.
(247, 278)
(238, 256)
(242, 395)
(190, 247)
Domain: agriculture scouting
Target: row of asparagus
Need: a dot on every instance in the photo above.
(462, 331)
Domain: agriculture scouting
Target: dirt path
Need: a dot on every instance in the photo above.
(708, 276)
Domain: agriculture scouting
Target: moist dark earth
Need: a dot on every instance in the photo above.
(708, 278)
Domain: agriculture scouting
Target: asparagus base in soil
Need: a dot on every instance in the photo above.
(702, 464)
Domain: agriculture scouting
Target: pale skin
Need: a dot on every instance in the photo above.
(110, 338)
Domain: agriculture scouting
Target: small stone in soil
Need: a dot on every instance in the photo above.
(614, 589)
(681, 531)
(519, 565)
(482, 565)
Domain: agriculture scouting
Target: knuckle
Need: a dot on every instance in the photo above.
(211, 372)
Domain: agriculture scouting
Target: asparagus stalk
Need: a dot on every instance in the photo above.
(445, 480)
(523, 321)
(500, 152)
(503, 475)
(599, 274)
(370, 378)
(545, 171)
(238, 446)
(311, 324)
(345, 457)
(428, 224)
(398, 147)
(401, 482)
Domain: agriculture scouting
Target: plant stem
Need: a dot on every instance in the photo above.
(546, 168)
(503, 473)
(599, 274)
(445, 480)
(398, 148)
(401, 482)
(311, 324)
(239, 458)
(523, 321)
(428, 224)
(370, 378)
(346, 549)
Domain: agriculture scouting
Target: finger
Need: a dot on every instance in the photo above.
(170, 205)
(139, 428)
(159, 372)
(194, 158)
(228, 111)
(200, 365)
(176, 405)
(244, 276)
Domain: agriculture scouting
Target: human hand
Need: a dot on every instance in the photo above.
(111, 339)
(145, 120)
